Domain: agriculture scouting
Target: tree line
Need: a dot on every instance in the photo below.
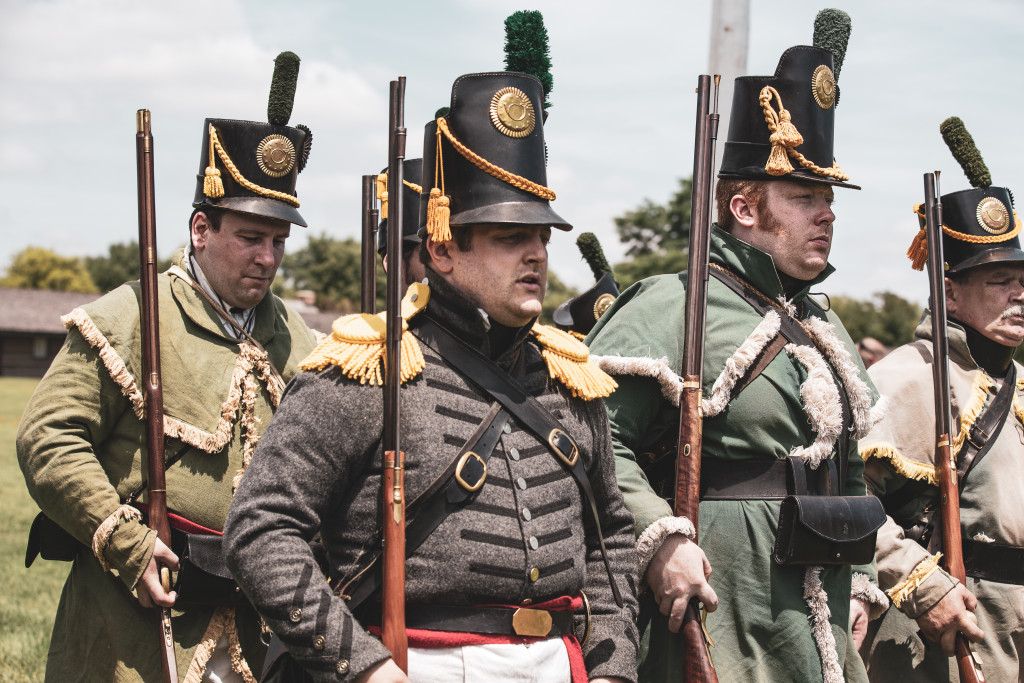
(656, 237)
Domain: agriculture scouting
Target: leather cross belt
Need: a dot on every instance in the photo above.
(994, 562)
(509, 621)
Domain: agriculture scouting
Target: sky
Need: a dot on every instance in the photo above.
(74, 72)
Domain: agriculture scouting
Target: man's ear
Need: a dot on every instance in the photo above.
(200, 230)
(951, 299)
(743, 211)
(441, 255)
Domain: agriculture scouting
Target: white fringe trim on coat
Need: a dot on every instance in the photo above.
(865, 416)
(105, 530)
(656, 368)
(222, 624)
(653, 536)
(738, 364)
(863, 588)
(824, 638)
(820, 397)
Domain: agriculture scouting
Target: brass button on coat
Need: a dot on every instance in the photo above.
(319, 643)
(534, 574)
(295, 615)
(342, 667)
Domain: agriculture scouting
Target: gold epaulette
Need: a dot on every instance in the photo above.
(568, 361)
(356, 343)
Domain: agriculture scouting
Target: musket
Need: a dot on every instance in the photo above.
(392, 478)
(152, 388)
(369, 271)
(949, 495)
(697, 664)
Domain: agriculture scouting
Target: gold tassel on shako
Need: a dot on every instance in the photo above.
(382, 194)
(357, 343)
(438, 205)
(784, 136)
(213, 186)
(568, 361)
(918, 251)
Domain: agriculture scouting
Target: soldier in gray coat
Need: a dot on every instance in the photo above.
(528, 541)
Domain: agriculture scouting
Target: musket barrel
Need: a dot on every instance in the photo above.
(368, 288)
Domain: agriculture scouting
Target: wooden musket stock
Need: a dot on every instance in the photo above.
(697, 664)
(392, 479)
(369, 257)
(152, 388)
(949, 495)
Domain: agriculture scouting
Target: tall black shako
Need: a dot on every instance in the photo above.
(579, 314)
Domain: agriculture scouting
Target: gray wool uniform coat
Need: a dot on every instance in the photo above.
(527, 537)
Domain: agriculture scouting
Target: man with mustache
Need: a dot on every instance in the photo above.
(227, 347)
(769, 393)
(517, 534)
(984, 287)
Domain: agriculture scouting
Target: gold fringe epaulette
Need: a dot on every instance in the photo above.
(568, 361)
(357, 342)
(904, 466)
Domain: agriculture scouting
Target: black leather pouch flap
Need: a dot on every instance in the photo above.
(828, 530)
(204, 578)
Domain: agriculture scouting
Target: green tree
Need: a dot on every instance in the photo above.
(655, 228)
(39, 268)
(887, 317)
(333, 269)
(120, 265)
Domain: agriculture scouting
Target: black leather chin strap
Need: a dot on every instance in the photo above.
(503, 388)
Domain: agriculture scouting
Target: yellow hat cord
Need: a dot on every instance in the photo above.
(213, 187)
(786, 138)
(382, 194)
(918, 251)
(439, 204)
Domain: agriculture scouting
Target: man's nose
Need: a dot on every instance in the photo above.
(265, 254)
(537, 251)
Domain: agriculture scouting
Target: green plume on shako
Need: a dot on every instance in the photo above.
(526, 48)
(832, 31)
(593, 254)
(282, 88)
(966, 153)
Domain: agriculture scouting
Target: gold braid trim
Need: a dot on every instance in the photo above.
(785, 138)
(239, 178)
(922, 571)
(214, 630)
(903, 466)
(979, 393)
(918, 251)
(568, 361)
(496, 171)
(104, 531)
(1018, 408)
(357, 343)
(577, 335)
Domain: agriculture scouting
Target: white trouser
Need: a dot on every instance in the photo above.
(543, 662)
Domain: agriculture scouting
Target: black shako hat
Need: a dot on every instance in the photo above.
(485, 160)
(979, 226)
(412, 170)
(782, 126)
(579, 314)
(251, 167)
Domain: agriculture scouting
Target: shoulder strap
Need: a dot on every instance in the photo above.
(986, 428)
(791, 329)
(501, 387)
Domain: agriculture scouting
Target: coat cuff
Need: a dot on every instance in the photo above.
(654, 535)
(123, 544)
(923, 588)
(864, 589)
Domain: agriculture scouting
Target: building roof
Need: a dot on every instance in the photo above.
(38, 311)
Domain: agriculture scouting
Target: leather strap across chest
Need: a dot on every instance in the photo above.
(791, 330)
(501, 387)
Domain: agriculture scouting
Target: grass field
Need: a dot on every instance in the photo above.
(28, 599)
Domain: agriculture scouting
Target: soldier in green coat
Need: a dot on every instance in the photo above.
(810, 398)
(227, 347)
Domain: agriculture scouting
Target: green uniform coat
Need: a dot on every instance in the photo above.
(81, 446)
(900, 451)
(762, 629)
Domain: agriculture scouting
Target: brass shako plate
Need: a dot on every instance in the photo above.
(276, 155)
(602, 304)
(512, 113)
(993, 216)
(823, 87)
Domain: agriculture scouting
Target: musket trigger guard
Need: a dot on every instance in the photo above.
(462, 463)
(559, 441)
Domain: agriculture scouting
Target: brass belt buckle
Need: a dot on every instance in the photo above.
(531, 622)
(462, 463)
(557, 435)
